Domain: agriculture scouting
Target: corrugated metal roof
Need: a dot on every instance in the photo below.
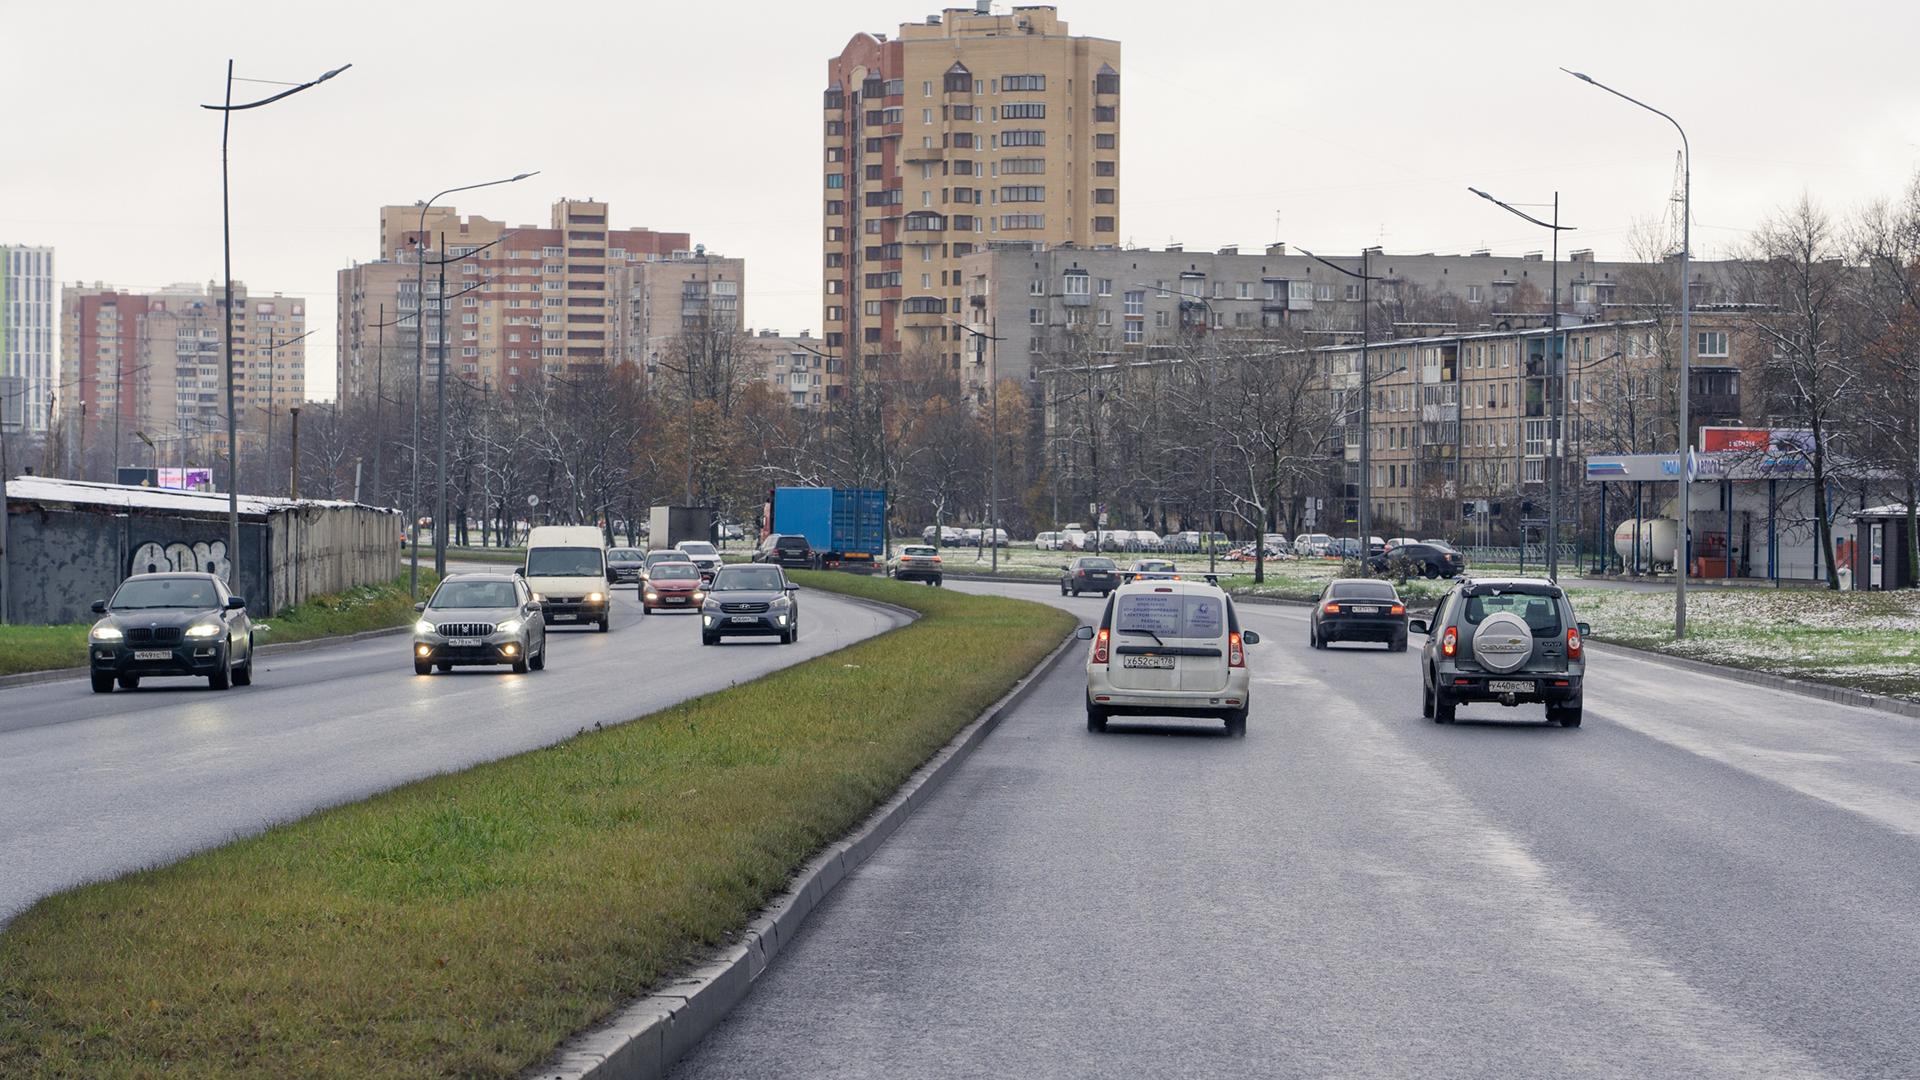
(128, 496)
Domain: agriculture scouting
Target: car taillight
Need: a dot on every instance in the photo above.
(1100, 646)
(1450, 641)
(1331, 609)
(1573, 643)
(1236, 655)
(936, 558)
(1398, 609)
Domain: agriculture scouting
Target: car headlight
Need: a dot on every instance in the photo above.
(205, 630)
(698, 595)
(106, 633)
(425, 627)
(782, 602)
(511, 626)
(594, 597)
(651, 595)
(539, 598)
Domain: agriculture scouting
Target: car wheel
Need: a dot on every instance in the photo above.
(1398, 644)
(938, 583)
(1237, 724)
(1063, 589)
(1443, 707)
(1313, 637)
(129, 682)
(539, 661)
(520, 664)
(786, 637)
(1564, 716)
(1426, 700)
(604, 623)
(243, 675)
(221, 678)
(102, 683)
(644, 609)
(1096, 718)
(709, 639)
(422, 667)
(1430, 571)
(444, 668)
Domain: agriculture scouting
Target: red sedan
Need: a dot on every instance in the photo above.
(671, 586)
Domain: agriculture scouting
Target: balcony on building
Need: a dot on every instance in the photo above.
(1714, 392)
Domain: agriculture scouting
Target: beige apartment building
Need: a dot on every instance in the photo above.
(965, 130)
(794, 367)
(519, 301)
(657, 300)
(154, 363)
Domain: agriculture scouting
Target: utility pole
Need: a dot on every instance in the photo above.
(980, 339)
(1366, 397)
(293, 484)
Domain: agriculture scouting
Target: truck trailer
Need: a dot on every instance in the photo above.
(846, 527)
(669, 525)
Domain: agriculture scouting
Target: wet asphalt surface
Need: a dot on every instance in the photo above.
(92, 785)
(1708, 879)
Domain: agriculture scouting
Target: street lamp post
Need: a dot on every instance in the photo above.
(1685, 543)
(1366, 396)
(980, 339)
(1556, 369)
(420, 363)
(226, 111)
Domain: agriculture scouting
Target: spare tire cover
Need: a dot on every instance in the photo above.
(1503, 642)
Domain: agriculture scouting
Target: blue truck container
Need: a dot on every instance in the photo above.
(846, 527)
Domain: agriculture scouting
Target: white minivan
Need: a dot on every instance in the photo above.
(1168, 648)
(566, 568)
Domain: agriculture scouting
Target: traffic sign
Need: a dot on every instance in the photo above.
(1534, 523)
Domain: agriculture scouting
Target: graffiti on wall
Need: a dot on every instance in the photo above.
(208, 557)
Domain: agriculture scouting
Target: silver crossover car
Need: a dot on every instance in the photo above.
(474, 619)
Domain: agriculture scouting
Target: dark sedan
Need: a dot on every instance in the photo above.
(1424, 559)
(1089, 573)
(626, 565)
(1358, 609)
(751, 601)
(171, 624)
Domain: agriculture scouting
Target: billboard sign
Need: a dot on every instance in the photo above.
(1604, 468)
(186, 479)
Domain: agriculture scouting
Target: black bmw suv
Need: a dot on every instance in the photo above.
(170, 624)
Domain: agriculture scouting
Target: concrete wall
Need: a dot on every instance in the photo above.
(63, 556)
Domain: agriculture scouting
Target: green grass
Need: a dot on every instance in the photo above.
(370, 607)
(466, 924)
(515, 556)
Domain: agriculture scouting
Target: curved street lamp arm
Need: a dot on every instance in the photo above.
(1355, 274)
(1520, 213)
(282, 94)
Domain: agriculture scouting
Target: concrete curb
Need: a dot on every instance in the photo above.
(643, 1040)
(27, 678)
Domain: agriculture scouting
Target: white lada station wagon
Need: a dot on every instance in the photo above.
(1168, 647)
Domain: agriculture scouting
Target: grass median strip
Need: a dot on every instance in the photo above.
(370, 607)
(466, 924)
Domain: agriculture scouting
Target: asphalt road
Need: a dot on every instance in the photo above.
(1706, 880)
(94, 785)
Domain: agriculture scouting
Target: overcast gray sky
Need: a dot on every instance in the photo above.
(1329, 125)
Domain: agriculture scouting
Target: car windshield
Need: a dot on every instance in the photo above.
(625, 555)
(675, 571)
(1153, 566)
(1096, 564)
(698, 549)
(1365, 590)
(919, 551)
(1170, 614)
(1541, 613)
(658, 557)
(474, 594)
(165, 593)
(564, 562)
(748, 579)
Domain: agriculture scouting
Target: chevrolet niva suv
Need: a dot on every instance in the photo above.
(1505, 640)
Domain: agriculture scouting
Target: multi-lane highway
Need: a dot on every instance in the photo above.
(1706, 880)
(94, 785)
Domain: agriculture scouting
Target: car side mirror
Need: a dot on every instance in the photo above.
(1418, 626)
(791, 587)
(519, 571)
(421, 606)
(611, 576)
(236, 603)
(99, 607)
(1249, 637)
(1586, 629)
(1084, 633)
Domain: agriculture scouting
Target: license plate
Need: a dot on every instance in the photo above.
(463, 643)
(745, 619)
(153, 654)
(1510, 686)
(568, 617)
(1146, 661)
(676, 599)
(1365, 610)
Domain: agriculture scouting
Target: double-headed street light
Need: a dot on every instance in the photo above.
(1685, 548)
(226, 111)
(1556, 368)
(1366, 396)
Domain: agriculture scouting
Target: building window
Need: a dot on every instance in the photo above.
(1105, 141)
(1106, 82)
(1024, 110)
(1023, 138)
(1023, 194)
(1103, 168)
(1103, 196)
(1106, 286)
(1473, 294)
(1135, 304)
(1712, 343)
(1078, 284)
(1022, 82)
(1023, 221)
(1134, 333)
(1023, 166)
(1103, 224)
(1036, 316)
(836, 180)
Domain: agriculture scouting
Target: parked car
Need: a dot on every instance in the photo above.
(1157, 567)
(750, 601)
(1168, 648)
(1421, 559)
(627, 565)
(1399, 542)
(1312, 545)
(704, 555)
(1504, 640)
(671, 586)
(1046, 541)
(1358, 609)
(784, 549)
(916, 563)
(1146, 540)
(480, 619)
(170, 624)
(731, 531)
(1089, 573)
(1071, 539)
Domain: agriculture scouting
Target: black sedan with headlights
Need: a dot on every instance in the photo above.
(627, 565)
(171, 624)
(752, 600)
(479, 620)
(1359, 609)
